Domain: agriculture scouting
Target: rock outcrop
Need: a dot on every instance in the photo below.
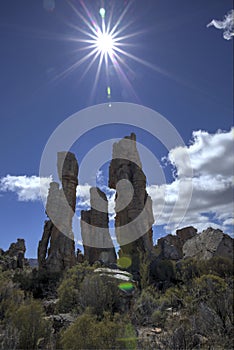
(187, 243)
(97, 241)
(56, 250)
(60, 321)
(134, 216)
(171, 246)
(211, 242)
(14, 258)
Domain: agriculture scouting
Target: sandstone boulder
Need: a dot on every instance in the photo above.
(171, 246)
(211, 242)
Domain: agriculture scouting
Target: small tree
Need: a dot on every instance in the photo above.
(144, 270)
(144, 306)
(10, 296)
(30, 322)
(100, 293)
(215, 293)
(69, 288)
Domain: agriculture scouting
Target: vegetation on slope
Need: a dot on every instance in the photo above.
(183, 305)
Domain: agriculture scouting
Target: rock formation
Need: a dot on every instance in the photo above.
(171, 246)
(187, 243)
(134, 217)
(211, 242)
(56, 250)
(97, 242)
(14, 258)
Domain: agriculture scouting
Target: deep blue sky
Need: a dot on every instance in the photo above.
(195, 93)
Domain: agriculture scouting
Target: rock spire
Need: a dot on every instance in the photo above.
(96, 238)
(134, 216)
(56, 250)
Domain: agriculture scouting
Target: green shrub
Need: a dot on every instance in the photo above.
(10, 296)
(30, 322)
(209, 286)
(68, 296)
(186, 270)
(219, 266)
(100, 293)
(144, 270)
(9, 338)
(174, 297)
(89, 333)
(69, 288)
(144, 306)
(159, 318)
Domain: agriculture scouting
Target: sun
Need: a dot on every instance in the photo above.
(105, 43)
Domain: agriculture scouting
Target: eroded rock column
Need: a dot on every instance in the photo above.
(56, 250)
(134, 216)
(96, 238)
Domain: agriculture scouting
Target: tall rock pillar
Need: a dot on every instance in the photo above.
(134, 216)
(56, 250)
(96, 238)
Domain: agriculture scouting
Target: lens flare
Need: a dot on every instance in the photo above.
(124, 262)
(102, 12)
(108, 91)
(126, 286)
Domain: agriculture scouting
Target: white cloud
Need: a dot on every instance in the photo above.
(100, 177)
(83, 195)
(27, 188)
(111, 203)
(229, 222)
(33, 188)
(227, 25)
(211, 158)
(208, 154)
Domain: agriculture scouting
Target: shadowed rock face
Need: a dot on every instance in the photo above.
(134, 217)
(14, 258)
(171, 246)
(56, 250)
(211, 242)
(97, 242)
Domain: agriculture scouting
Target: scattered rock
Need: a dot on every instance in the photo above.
(150, 338)
(157, 330)
(50, 306)
(61, 321)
